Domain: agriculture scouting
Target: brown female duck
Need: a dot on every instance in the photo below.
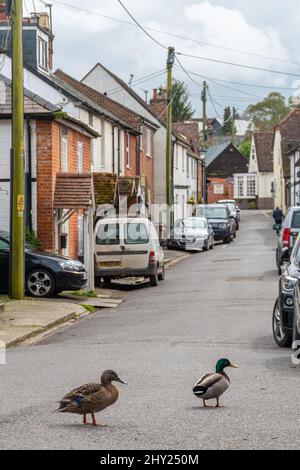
(92, 398)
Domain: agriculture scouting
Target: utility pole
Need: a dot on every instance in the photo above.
(169, 166)
(204, 131)
(233, 130)
(17, 176)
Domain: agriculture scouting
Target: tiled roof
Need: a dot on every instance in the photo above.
(33, 104)
(289, 129)
(132, 119)
(191, 131)
(264, 150)
(214, 152)
(73, 191)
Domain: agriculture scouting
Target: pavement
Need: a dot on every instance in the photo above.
(23, 320)
(161, 340)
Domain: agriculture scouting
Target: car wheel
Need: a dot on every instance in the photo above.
(161, 276)
(40, 283)
(205, 248)
(212, 246)
(234, 236)
(154, 280)
(228, 240)
(107, 281)
(282, 338)
(279, 269)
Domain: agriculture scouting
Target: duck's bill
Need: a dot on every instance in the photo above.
(122, 381)
(233, 366)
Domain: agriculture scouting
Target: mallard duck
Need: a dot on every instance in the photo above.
(211, 386)
(92, 398)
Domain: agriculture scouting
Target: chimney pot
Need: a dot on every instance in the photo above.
(155, 94)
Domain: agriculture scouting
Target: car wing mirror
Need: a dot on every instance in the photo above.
(286, 256)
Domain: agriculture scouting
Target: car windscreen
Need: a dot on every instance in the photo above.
(296, 220)
(215, 213)
(108, 234)
(231, 206)
(192, 223)
(136, 234)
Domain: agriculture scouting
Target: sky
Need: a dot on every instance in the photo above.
(266, 28)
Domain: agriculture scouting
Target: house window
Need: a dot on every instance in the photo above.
(149, 139)
(43, 53)
(80, 157)
(245, 186)
(64, 150)
(188, 165)
(177, 157)
(183, 159)
(128, 159)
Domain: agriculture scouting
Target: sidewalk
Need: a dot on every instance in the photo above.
(21, 320)
(173, 257)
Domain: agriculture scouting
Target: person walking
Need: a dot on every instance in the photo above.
(278, 218)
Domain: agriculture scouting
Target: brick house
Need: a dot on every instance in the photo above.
(135, 144)
(55, 142)
(286, 137)
(223, 162)
(262, 165)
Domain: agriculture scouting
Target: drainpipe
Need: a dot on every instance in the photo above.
(29, 177)
(113, 149)
(119, 151)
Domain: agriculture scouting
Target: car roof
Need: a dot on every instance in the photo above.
(216, 206)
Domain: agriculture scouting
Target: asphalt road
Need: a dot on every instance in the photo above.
(161, 340)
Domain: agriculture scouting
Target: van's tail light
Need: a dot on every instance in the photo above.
(152, 258)
(286, 237)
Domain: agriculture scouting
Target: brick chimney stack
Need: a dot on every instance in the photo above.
(159, 102)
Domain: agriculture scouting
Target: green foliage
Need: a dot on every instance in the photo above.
(245, 148)
(90, 308)
(266, 114)
(182, 106)
(252, 205)
(32, 239)
(230, 115)
(60, 115)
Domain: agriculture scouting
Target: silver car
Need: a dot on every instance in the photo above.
(192, 234)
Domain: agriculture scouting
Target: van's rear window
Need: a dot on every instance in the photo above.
(108, 234)
(296, 220)
(136, 234)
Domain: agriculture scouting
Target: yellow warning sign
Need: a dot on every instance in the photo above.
(20, 203)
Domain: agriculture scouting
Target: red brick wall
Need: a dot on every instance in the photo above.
(48, 165)
(228, 190)
(132, 170)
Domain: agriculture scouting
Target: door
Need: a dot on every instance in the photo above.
(4, 265)
(109, 246)
(136, 244)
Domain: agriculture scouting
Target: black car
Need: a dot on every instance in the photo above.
(45, 274)
(219, 218)
(284, 309)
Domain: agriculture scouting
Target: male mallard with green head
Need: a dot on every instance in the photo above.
(92, 398)
(211, 386)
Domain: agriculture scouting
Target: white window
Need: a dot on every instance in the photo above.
(128, 159)
(245, 186)
(176, 157)
(80, 157)
(188, 165)
(183, 159)
(149, 141)
(43, 53)
(64, 151)
(103, 143)
(80, 237)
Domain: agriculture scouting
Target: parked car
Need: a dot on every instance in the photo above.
(284, 309)
(288, 235)
(192, 234)
(234, 210)
(46, 274)
(223, 225)
(128, 247)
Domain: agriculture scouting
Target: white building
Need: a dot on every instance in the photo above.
(261, 165)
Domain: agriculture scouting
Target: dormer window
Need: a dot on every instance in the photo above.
(43, 53)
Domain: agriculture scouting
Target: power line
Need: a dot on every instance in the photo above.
(138, 81)
(224, 62)
(177, 36)
(140, 26)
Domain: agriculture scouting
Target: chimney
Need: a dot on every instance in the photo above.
(159, 103)
(154, 94)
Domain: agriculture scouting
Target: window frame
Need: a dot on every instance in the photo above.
(80, 157)
(43, 54)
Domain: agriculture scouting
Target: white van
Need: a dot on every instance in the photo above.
(128, 247)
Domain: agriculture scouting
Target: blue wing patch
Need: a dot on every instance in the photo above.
(78, 399)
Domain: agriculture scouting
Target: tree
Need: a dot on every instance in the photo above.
(230, 115)
(245, 148)
(266, 114)
(182, 106)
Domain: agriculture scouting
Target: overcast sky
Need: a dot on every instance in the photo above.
(266, 27)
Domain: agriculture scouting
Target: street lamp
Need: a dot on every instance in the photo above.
(203, 153)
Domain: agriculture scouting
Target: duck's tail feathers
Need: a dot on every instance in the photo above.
(199, 391)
